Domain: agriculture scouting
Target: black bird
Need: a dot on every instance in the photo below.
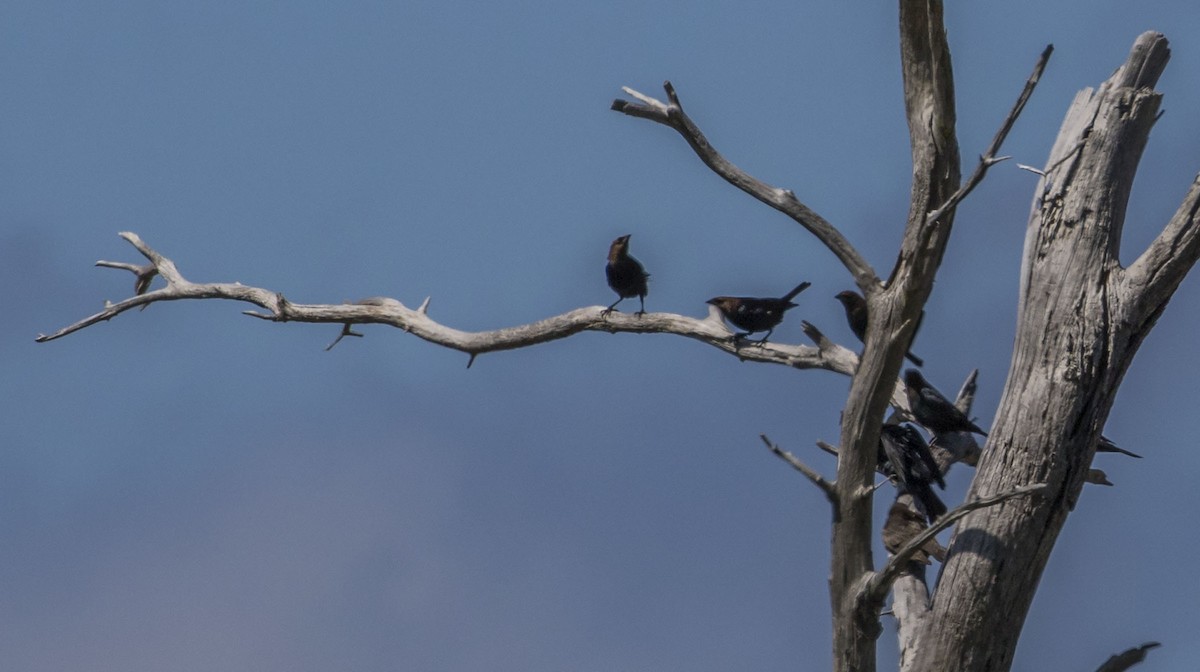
(933, 411)
(856, 315)
(1107, 446)
(904, 454)
(753, 314)
(625, 275)
(902, 525)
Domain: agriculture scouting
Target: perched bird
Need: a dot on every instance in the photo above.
(902, 525)
(1096, 477)
(904, 454)
(1107, 446)
(755, 315)
(933, 411)
(625, 275)
(856, 315)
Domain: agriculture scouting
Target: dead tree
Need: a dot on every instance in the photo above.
(1082, 317)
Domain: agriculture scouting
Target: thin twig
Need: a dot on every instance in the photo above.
(346, 331)
(830, 489)
(833, 450)
(875, 589)
(143, 274)
(989, 158)
(783, 200)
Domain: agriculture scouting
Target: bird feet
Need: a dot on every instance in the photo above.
(744, 337)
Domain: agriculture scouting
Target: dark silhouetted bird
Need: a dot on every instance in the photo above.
(856, 315)
(933, 411)
(903, 524)
(625, 275)
(904, 455)
(753, 314)
(1107, 446)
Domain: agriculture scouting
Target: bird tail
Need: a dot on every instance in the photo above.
(929, 502)
(799, 288)
(915, 359)
(937, 551)
(1107, 446)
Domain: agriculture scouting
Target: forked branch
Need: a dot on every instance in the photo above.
(989, 158)
(1160, 269)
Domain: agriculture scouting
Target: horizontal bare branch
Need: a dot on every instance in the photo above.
(388, 311)
(876, 588)
(783, 200)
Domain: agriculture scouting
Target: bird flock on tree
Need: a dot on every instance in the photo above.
(904, 456)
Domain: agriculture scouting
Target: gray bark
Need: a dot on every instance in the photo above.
(1081, 319)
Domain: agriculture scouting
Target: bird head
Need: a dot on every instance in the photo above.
(619, 247)
(726, 303)
(849, 299)
(914, 379)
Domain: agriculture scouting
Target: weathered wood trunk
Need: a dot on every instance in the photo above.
(1081, 319)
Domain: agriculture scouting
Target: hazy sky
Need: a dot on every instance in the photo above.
(187, 488)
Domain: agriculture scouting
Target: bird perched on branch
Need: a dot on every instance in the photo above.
(902, 525)
(933, 411)
(754, 314)
(625, 275)
(856, 315)
(904, 455)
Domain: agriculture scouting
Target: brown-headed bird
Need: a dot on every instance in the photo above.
(933, 411)
(904, 454)
(903, 524)
(755, 314)
(856, 315)
(625, 275)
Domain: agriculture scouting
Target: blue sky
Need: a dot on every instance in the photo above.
(186, 488)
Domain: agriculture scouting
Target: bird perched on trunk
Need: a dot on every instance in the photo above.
(625, 275)
(904, 455)
(754, 314)
(856, 315)
(902, 525)
(933, 411)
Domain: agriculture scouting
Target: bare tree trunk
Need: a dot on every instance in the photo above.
(895, 309)
(1081, 320)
